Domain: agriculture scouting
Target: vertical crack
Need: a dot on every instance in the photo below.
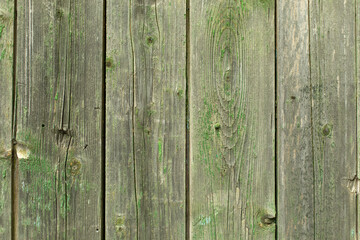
(275, 120)
(14, 159)
(311, 115)
(103, 130)
(66, 186)
(133, 117)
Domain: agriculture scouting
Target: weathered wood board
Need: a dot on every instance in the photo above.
(232, 119)
(109, 101)
(6, 80)
(145, 119)
(58, 80)
(332, 58)
(316, 119)
(295, 169)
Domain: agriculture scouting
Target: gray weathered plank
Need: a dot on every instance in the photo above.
(232, 120)
(294, 127)
(59, 79)
(332, 51)
(145, 119)
(317, 119)
(121, 215)
(6, 80)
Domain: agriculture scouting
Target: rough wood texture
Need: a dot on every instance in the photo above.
(332, 51)
(295, 168)
(6, 80)
(316, 120)
(59, 78)
(145, 119)
(121, 213)
(52, 177)
(232, 171)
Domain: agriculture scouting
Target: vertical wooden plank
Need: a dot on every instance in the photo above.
(232, 87)
(6, 83)
(295, 168)
(59, 79)
(145, 119)
(332, 51)
(159, 48)
(121, 209)
(317, 94)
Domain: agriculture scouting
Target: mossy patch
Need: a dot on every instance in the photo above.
(75, 166)
(120, 227)
(109, 63)
(2, 26)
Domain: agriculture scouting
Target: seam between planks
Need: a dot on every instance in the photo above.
(14, 160)
(187, 124)
(103, 129)
(275, 120)
(356, 127)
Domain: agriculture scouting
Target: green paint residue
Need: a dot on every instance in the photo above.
(120, 226)
(109, 63)
(44, 182)
(1, 29)
(180, 93)
(159, 151)
(2, 54)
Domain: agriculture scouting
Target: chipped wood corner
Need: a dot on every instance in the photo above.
(353, 184)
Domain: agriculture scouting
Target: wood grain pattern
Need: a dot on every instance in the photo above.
(6, 82)
(145, 119)
(59, 78)
(232, 184)
(274, 153)
(332, 51)
(295, 168)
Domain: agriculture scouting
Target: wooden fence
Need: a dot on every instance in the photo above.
(179, 119)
